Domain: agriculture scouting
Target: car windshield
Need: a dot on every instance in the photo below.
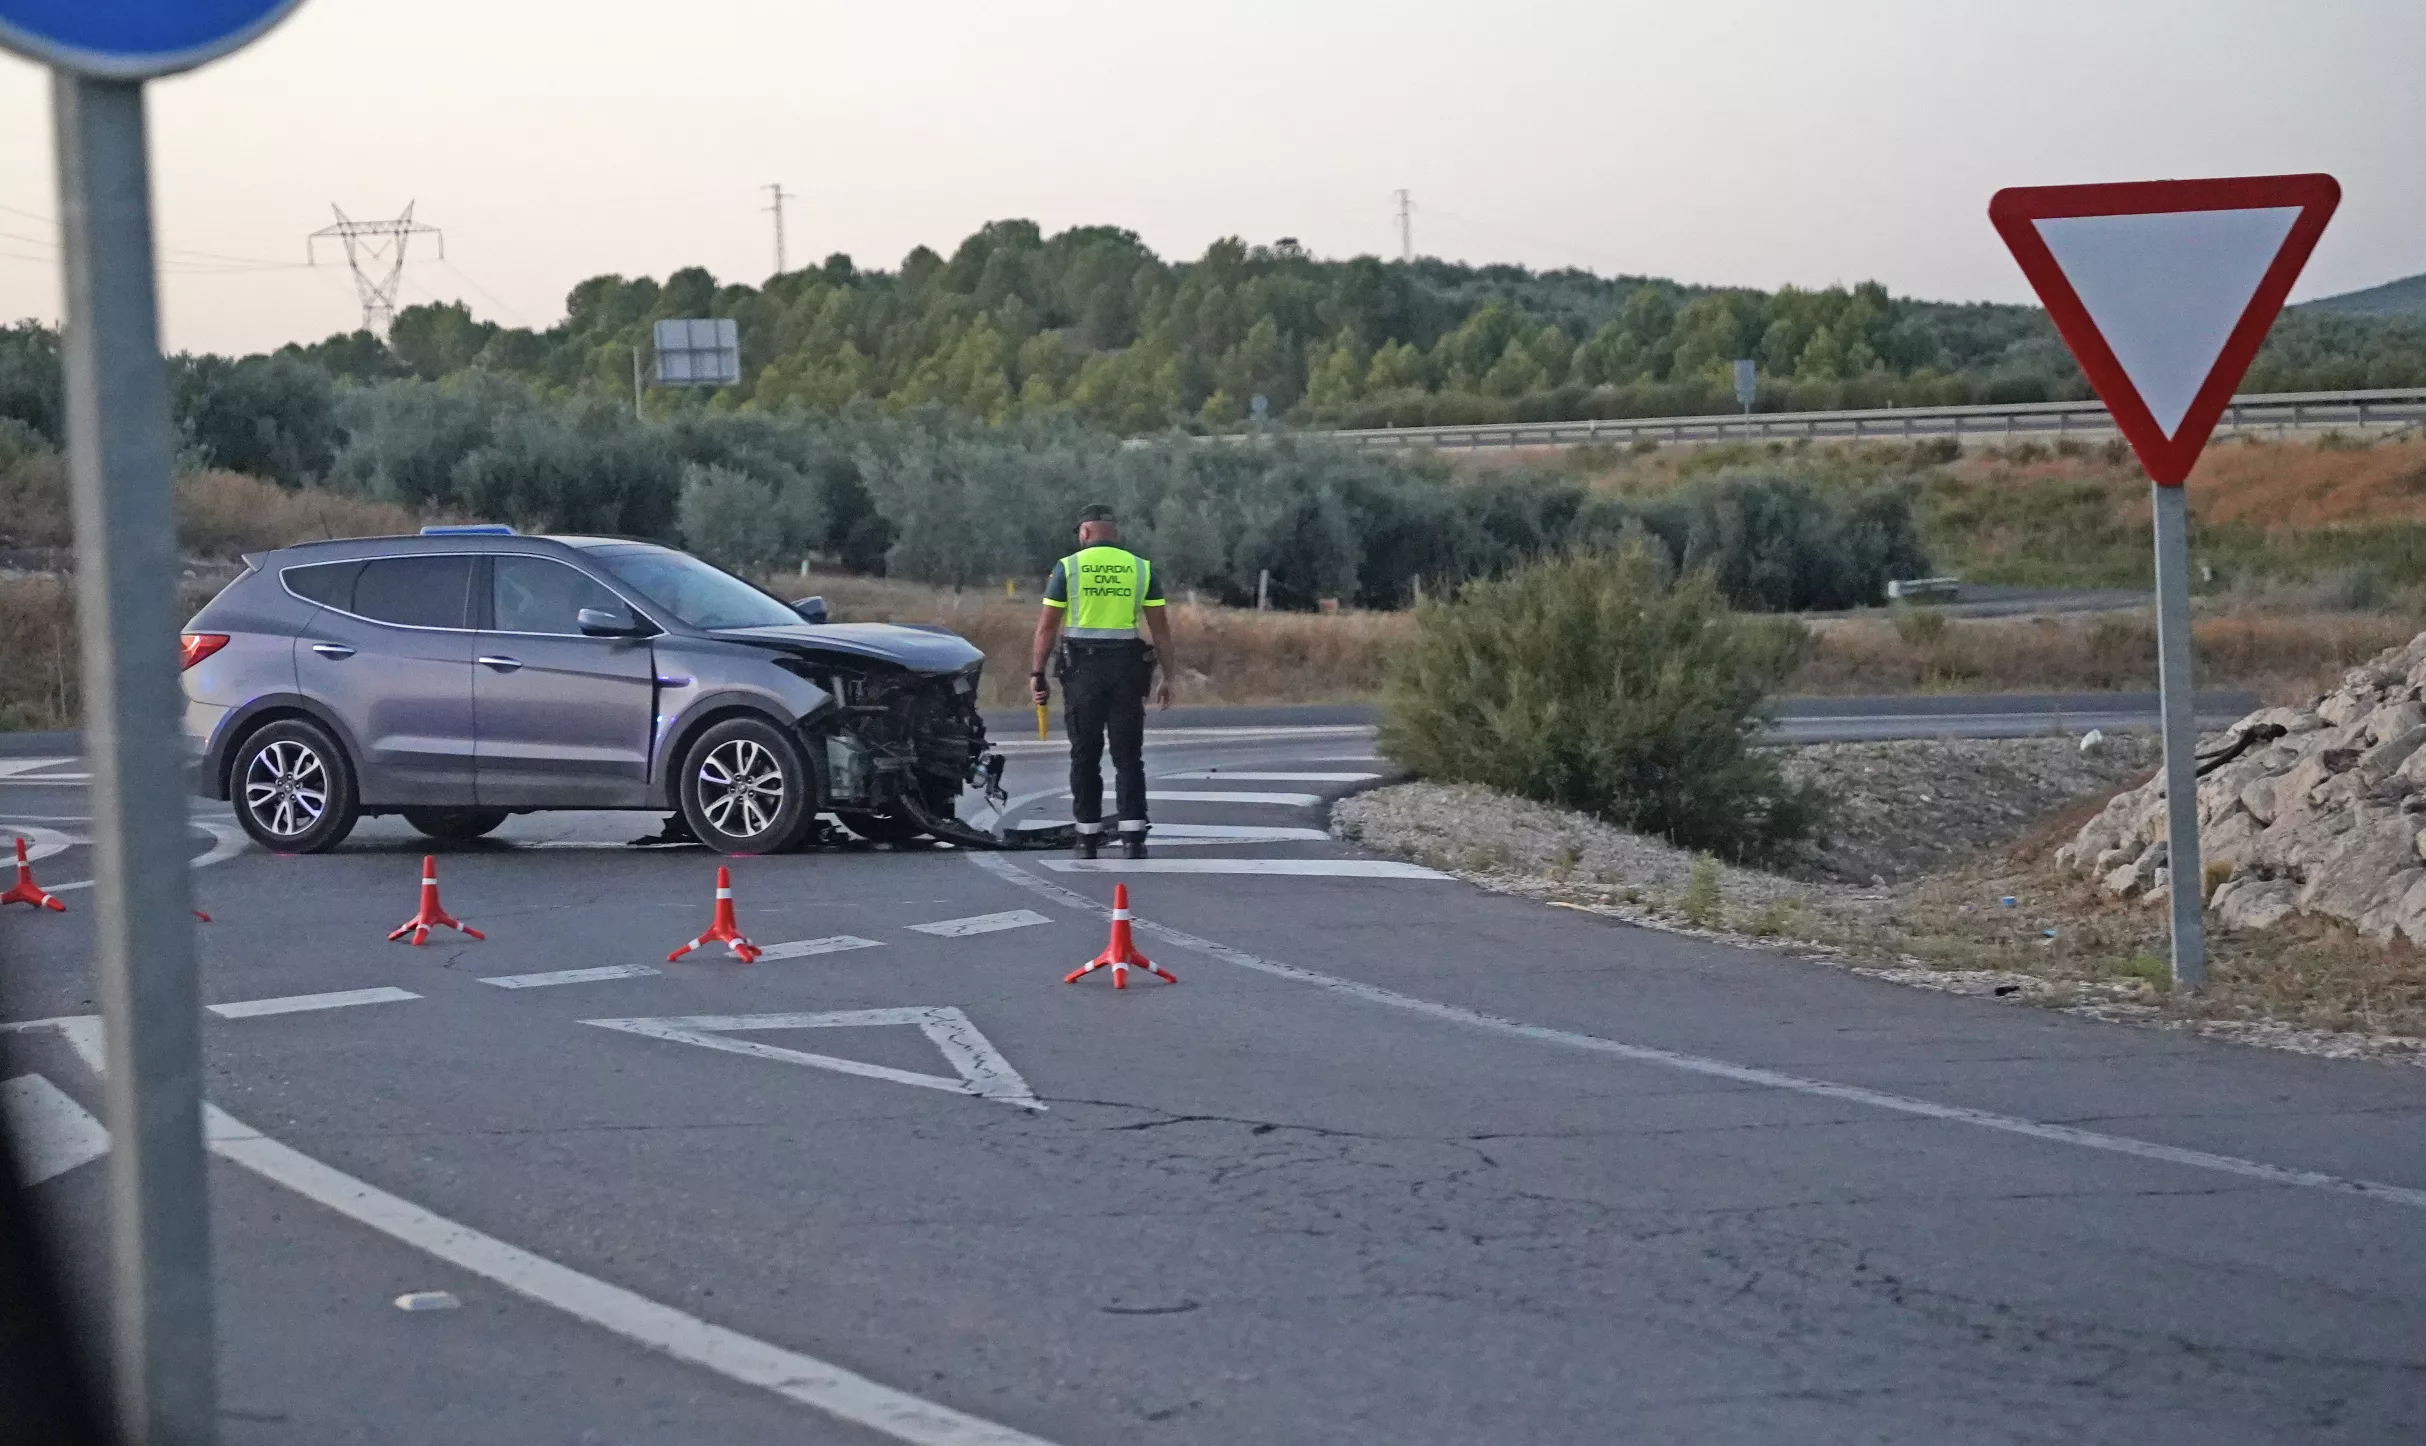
(698, 595)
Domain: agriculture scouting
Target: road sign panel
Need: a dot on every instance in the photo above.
(2164, 290)
(1747, 381)
(132, 39)
(698, 352)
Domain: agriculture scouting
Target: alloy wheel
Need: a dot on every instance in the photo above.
(741, 787)
(286, 788)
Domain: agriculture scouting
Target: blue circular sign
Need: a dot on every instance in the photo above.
(132, 39)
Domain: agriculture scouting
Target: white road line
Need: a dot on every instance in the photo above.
(979, 1067)
(1168, 835)
(807, 1380)
(570, 976)
(1724, 1069)
(305, 1003)
(1290, 800)
(1294, 868)
(980, 924)
(1245, 776)
(53, 1133)
(817, 1384)
(832, 944)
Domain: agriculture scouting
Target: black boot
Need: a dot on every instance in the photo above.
(1133, 843)
(1088, 845)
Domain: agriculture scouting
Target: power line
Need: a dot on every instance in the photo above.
(490, 296)
(375, 250)
(775, 207)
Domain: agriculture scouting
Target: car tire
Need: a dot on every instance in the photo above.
(455, 825)
(746, 787)
(293, 788)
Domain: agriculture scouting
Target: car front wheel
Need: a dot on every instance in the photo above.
(746, 788)
(293, 788)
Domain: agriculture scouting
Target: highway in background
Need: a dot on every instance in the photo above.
(2280, 414)
(1396, 1160)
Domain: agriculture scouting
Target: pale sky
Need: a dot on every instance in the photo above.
(1726, 142)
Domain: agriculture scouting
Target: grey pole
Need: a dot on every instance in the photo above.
(165, 1361)
(2187, 891)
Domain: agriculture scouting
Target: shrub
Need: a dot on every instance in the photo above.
(1596, 682)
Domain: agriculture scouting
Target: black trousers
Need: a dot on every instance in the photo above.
(1105, 687)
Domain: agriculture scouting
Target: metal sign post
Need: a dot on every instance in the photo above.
(2164, 290)
(126, 579)
(165, 1365)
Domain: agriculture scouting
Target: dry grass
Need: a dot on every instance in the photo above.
(223, 514)
(38, 672)
(1227, 655)
(2306, 973)
(219, 514)
(2282, 658)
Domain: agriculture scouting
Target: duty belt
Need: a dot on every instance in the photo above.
(1100, 635)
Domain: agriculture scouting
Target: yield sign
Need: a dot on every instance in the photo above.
(979, 1068)
(2164, 290)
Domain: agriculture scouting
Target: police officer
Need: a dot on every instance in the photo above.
(1093, 603)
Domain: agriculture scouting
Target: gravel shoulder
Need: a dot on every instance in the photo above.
(1939, 873)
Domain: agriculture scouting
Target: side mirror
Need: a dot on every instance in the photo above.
(811, 609)
(607, 623)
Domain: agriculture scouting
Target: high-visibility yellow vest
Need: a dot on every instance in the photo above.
(1105, 588)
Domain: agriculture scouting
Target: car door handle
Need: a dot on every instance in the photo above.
(332, 650)
(502, 665)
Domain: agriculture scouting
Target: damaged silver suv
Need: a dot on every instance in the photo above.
(468, 674)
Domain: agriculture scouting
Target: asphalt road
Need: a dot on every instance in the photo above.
(1395, 1161)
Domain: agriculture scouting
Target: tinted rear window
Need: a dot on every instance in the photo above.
(330, 584)
(420, 592)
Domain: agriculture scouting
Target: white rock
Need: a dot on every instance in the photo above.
(2254, 903)
(2093, 741)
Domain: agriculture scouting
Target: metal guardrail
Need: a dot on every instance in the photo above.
(2278, 411)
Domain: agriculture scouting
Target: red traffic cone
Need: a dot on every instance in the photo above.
(431, 916)
(722, 929)
(1121, 954)
(25, 890)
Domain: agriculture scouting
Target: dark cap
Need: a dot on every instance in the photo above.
(1097, 512)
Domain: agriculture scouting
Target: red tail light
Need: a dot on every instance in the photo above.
(192, 648)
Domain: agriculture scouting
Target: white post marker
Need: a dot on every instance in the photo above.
(2164, 290)
(164, 1364)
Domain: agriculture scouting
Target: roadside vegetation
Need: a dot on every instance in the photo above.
(1608, 685)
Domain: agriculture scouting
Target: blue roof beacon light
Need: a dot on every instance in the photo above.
(468, 529)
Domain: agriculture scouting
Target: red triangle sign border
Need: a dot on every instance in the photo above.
(2168, 459)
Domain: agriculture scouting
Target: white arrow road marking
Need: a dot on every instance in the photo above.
(832, 944)
(1011, 873)
(228, 841)
(570, 976)
(1242, 776)
(54, 1134)
(983, 1071)
(306, 1003)
(980, 924)
(1294, 868)
(40, 843)
(12, 768)
(804, 1379)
